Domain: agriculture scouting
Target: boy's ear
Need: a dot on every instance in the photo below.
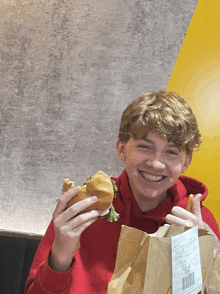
(188, 160)
(120, 148)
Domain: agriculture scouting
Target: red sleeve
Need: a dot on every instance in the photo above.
(209, 219)
(42, 279)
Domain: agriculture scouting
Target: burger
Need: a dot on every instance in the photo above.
(100, 185)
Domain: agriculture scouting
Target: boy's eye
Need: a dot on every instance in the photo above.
(172, 152)
(145, 146)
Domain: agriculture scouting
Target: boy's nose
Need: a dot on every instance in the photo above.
(155, 163)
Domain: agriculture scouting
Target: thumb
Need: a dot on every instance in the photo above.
(196, 206)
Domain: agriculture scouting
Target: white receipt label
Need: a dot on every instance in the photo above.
(186, 264)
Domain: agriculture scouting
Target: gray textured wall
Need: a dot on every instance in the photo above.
(68, 69)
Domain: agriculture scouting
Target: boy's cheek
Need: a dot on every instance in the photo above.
(178, 168)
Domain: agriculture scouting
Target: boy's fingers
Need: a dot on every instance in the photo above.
(78, 207)
(79, 223)
(183, 215)
(62, 202)
(172, 219)
(196, 206)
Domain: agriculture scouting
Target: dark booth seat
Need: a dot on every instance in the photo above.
(17, 251)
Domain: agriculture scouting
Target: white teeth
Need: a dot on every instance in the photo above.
(151, 178)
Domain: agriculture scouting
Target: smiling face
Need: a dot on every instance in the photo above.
(153, 166)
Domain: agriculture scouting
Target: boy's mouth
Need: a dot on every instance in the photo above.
(150, 177)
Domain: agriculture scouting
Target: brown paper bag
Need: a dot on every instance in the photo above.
(143, 263)
(214, 287)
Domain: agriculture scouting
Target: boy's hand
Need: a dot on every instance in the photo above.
(68, 227)
(182, 217)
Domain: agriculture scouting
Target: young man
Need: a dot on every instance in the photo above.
(157, 136)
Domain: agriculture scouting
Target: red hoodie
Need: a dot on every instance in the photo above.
(94, 263)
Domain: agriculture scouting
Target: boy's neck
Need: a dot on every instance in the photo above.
(146, 204)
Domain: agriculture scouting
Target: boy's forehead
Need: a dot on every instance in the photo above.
(154, 136)
(171, 144)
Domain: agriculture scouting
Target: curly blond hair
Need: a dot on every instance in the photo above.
(165, 112)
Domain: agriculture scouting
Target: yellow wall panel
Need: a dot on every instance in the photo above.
(196, 76)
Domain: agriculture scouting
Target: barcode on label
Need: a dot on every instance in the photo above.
(188, 281)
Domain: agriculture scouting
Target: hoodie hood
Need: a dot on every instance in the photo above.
(126, 205)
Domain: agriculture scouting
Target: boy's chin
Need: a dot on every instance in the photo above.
(155, 189)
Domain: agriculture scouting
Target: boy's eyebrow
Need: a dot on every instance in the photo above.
(149, 141)
(172, 145)
(169, 144)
